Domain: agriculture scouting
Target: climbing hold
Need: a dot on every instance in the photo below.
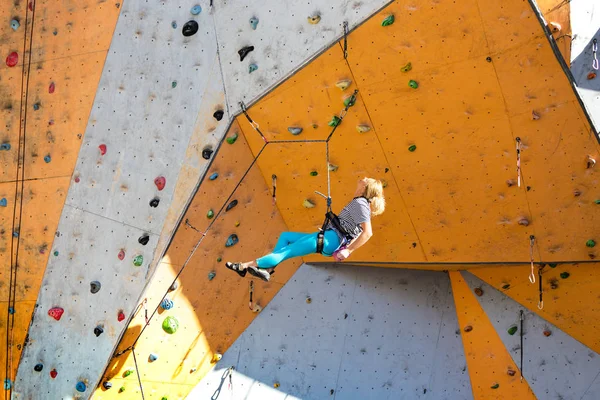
(160, 182)
(332, 167)
(314, 19)
(7, 384)
(511, 372)
(128, 372)
(15, 234)
(219, 259)
(12, 59)
(14, 24)
(315, 126)
(535, 116)
(211, 275)
(591, 76)
(173, 286)
(231, 205)
(590, 162)
(554, 27)
(3, 202)
(276, 385)
(412, 147)
(564, 275)
(98, 330)
(314, 173)
(524, 221)
(254, 23)
(174, 24)
(506, 286)
(120, 316)
(231, 240)
(38, 367)
(218, 115)
(350, 101)
(308, 204)
(196, 10)
(213, 176)
(36, 106)
(138, 260)
(53, 373)
(80, 387)
(294, 130)
(170, 325)
(216, 358)
(77, 179)
(144, 239)
(406, 68)
(468, 328)
(5, 146)
(107, 385)
(47, 158)
(173, 84)
(152, 357)
(590, 243)
(51, 88)
(154, 202)
(547, 333)
(308, 300)
(56, 313)
(166, 304)
(244, 51)
(233, 138)
(413, 84)
(95, 286)
(11, 310)
(363, 128)
(252, 68)
(552, 265)
(189, 28)
(344, 84)
(478, 291)
(576, 192)
(210, 214)
(512, 330)
(121, 389)
(389, 20)
(102, 149)
(237, 223)
(495, 386)
(56, 253)
(335, 121)
(121, 255)
(206, 153)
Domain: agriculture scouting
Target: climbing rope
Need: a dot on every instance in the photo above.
(594, 54)
(137, 371)
(521, 317)
(541, 301)
(531, 243)
(254, 125)
(518, 139)
(346, 40)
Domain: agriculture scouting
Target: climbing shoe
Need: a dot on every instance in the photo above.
(259, 273)
(236, 267)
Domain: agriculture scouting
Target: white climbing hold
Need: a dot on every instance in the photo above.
(343, 84)
(363, 128)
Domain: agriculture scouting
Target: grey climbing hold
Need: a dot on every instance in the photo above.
(36, 106)
(95, 286)
(252, 68)
(144, 239)
(38, 367)
(98, 330)
(231, 205)
(232, 240)
(213, 176)
(207, 153)
(47, 158)
(196, 10)
(218, 115)
(3, 202)
(5, 146)
(295, 130)
(332, 167)
(14, 24)
(107, 385)
(152, 357)
(244, 51)
(189, 28)
(211, 275)
(254, 23)
(80, 387)
(174, 286)
(166, 304)
(154, 202)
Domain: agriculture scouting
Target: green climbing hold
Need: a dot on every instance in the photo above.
(121, 389)
(211, 275)
(590, 243)
(565, 275)
(553, 265)
(254, 23)
(232, 139)
(413, 84)
(127, 373)
(335, 121)
(219, 259)
(314, 173)
(506, 286)
(350, 101)
(170, 325)
(597, 201)
(174, 84)
(389, 20)
(138, 260)
(55, 253)
(512, 330)
(252, 68)
(406, 68)
(164, 398)
(210, 214)
(495, 386)
(412, 148)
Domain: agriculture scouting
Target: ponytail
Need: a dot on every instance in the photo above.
(374, 193)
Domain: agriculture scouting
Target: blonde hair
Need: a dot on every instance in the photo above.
(374, 193)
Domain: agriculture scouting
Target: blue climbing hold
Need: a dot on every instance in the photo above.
(15, 234)
(3, 202)
(14, 24)
(174, 24)
(11, 310)
(196, 10)
(166, 304)
(80, 387)
(232, 240)
(5, 146)
(153, 357)
(254, 23)
(47, 159)
(36, 106)
(213, 176)
(252, 68)
(7, 384)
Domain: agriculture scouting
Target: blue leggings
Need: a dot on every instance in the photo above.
(297, 244)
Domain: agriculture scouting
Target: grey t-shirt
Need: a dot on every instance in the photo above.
(351, 216)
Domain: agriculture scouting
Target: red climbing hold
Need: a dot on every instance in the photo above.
(12, 59)
(56, 313)
(102, 148)
(121, 316)
(31, 6)
(160, 182)
(53, 374)
(51, 88)
(77, 179)
(121, 255)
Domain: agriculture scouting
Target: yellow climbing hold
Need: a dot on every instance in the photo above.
(216, 358)
(276, 385)
(363, 128)
(406, 68)
(344, 84)
(308, 204)
(314, 19)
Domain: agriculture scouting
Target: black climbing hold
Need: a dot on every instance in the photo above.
(38, 367)
(189, 28)
(206, 153)
(144, 239)
(95, 286)
(488, 59)
(231, 205)
(98, 331)
(219, 115)
(243, 52)
(154, 202)
(107, 385)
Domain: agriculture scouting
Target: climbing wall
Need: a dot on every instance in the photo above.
(52, 53)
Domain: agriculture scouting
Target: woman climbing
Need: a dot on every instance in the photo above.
(341, 238)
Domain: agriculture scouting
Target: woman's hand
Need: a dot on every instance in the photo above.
(341, 255)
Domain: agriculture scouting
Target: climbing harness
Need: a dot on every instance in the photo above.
(346, 40)
(274, 178)
(541, 301)
(531, 243)
(518, 139)
(594, 54)
(521, 317)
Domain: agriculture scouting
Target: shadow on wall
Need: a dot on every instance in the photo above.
(586, 76)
